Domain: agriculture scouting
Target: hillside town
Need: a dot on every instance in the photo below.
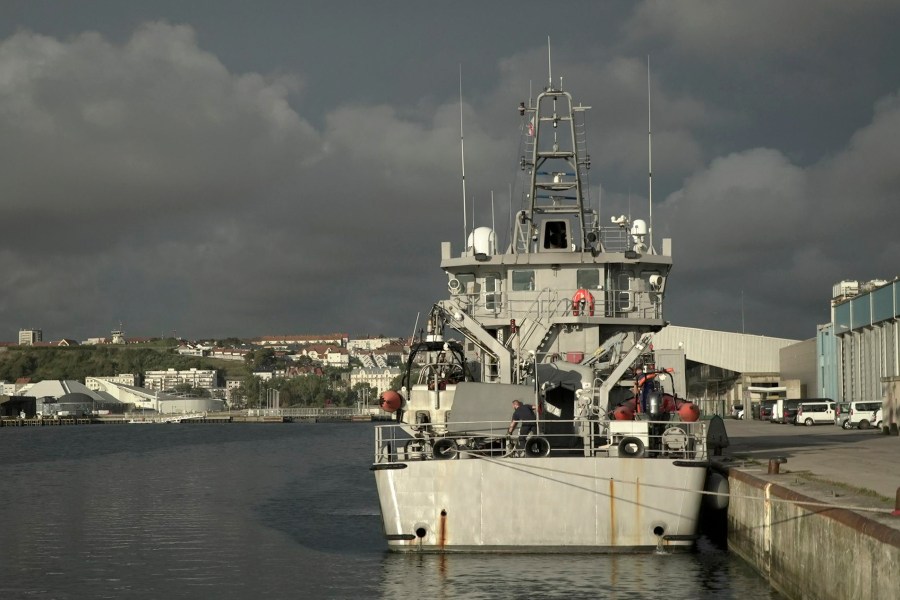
(356, 370)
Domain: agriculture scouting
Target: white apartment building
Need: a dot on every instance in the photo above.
(228, 353)
(284, 341)
(380, 379)
(168, 379)
(93, 383)
(28, 337)
(368, 344)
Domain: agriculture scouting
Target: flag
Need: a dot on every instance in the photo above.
(531, 127)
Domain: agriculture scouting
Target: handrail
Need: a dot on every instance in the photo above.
(641, 304)
(671, 439)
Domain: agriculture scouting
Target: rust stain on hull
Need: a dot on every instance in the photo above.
(442, 530)
(612, 513)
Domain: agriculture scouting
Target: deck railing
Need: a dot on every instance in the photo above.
(673, 439)
(620, 304)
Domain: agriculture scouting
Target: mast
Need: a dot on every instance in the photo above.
(649, 157)
(462, 151)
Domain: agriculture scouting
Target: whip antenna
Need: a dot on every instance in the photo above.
(649, 157)
(462, 151)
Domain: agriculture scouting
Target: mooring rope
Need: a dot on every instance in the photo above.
(704, 492)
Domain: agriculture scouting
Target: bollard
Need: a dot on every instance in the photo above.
(896, 512)
(774, 464)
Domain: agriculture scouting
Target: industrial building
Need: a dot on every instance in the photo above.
(860, 349)
(855, 357)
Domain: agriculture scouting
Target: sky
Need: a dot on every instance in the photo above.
(219, 168)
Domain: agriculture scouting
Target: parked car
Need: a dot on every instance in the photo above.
(815, 412)
(765, 410)
(862, 414)
(842, 414)
(737, 411)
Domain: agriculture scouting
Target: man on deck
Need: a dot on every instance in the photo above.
(523, 416)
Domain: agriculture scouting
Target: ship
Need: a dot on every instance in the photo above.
(562, 321)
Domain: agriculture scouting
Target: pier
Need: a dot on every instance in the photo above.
(815, 510)
(283, 415)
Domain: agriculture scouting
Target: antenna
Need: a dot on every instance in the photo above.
(462, 151)
(549, 66)
(493, 223)
(649, 157)
(509, 216)
(415, 327)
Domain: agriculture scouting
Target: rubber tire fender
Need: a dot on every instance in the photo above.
(537, 447)
(443, 449)
(632, 447)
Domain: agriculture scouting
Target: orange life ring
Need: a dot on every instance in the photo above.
(583, 296)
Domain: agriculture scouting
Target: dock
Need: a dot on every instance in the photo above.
(815, 510)
(283, 415)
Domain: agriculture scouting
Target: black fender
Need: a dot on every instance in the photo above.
(537, 447)
(443, 449)
(632, 447)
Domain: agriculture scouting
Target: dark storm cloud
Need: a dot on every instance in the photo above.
(289, 171)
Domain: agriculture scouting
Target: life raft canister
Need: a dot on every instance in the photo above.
(583, 301)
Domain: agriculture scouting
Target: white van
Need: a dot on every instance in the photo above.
(784, 410)
(813, 412)
(862, 414)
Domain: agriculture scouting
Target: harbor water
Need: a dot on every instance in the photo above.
(268, 511)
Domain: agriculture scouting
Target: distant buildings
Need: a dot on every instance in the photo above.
(859, 350)
(368, 344)
(28, 337)
(331, 355)
(379, 378)
(168, 379)
(286, 341)
(95, 383)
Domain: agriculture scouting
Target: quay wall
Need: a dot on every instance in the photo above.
(810, 552)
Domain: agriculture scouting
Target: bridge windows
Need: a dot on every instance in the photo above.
(555, 235)
(522, 281)
(587, 279)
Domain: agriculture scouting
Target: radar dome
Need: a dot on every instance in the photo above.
(639, 227)
(483, 240)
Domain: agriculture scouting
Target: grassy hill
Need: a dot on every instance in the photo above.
(77, 362)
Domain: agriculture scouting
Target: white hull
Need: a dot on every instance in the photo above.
(571, 504)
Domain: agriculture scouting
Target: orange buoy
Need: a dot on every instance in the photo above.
(390, 401)
(689, 412)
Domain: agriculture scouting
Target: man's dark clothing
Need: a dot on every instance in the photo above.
(525, 416)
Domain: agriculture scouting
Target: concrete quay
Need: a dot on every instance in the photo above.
(820, 524)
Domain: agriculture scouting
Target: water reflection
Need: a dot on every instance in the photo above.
(705, 573)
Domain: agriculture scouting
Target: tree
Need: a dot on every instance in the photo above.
(363, 392)
(261, 359)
